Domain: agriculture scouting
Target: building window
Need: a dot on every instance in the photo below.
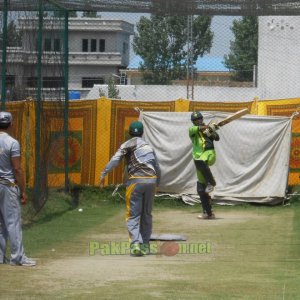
(88, 82)
(125, 48)
(102, 45)
(10, 81)
(85, 45)
(32, 82)
(57, 46)
(47, 45)
(48, 82)
(93, 45)
(53, 82)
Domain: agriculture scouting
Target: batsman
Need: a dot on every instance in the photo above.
(204, 155)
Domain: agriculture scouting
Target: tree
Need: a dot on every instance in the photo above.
(243, 51)
(14, 37)
(112, 90)
(161, 41)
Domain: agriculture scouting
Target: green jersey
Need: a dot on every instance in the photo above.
(198, 141)
(203, 149)
(201, 142)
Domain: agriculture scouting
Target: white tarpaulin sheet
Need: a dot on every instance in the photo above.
(252, 155)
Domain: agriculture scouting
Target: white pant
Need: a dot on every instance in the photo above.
(10, 223)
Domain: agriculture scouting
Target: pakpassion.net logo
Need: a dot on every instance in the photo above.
(167, 248)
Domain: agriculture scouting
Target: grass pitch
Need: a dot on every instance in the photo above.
(254, 253)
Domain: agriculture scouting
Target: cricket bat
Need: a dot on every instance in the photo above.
(233, 117)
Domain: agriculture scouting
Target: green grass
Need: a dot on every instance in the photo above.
(59, 220)
(255, 252)
(59, 212)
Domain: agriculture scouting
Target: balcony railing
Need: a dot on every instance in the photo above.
(75, 58)
(78, 24)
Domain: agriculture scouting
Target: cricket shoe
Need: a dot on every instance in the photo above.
(207, 217)
(135, 250)
(145, 249)
(209, 188)
(26, 262)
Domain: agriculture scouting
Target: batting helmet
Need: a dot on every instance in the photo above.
(136, 128)
(5, 118)
(196, 115)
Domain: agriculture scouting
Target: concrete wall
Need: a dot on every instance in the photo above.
(165, 92)
(278, 57)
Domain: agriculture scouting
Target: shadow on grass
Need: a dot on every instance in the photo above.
(45, 219)
(59, 202)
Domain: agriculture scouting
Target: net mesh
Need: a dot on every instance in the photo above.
(143, 55)
(197, 7)
(34, 65)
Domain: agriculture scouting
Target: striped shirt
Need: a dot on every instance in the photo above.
(140, 158)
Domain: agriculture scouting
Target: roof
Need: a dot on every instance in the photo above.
(186, 7)
(211, 64)
(203, 64)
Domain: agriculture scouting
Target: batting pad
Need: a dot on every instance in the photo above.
(167, 237)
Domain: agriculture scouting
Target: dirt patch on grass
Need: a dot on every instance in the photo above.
(99, 269)
(189, 225)
(74, 273)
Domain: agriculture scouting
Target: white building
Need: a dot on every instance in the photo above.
(278, 57)
(97, 50)
(278, 70)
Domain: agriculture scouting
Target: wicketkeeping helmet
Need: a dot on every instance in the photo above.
(5, 118)
(196, 115)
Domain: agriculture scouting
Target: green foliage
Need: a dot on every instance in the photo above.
(243, 51)
(161, 41)
(113, 92)
(14, 37)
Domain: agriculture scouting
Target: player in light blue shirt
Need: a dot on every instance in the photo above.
(12, 190)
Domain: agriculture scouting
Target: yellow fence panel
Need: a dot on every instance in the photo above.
(97, 128)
